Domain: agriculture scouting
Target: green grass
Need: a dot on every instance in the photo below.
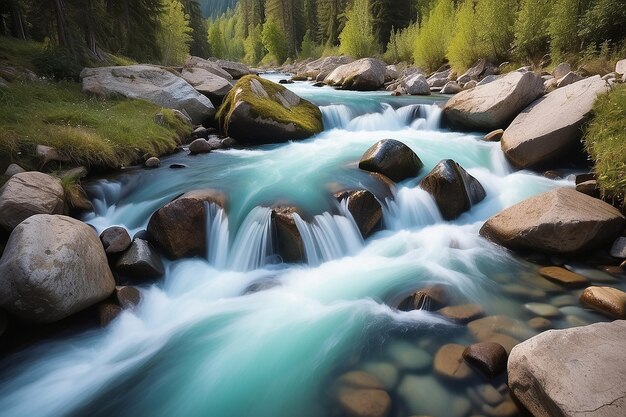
(91, 132)
(605, 141)
(18, 53)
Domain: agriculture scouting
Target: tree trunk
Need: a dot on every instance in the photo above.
(17, 29)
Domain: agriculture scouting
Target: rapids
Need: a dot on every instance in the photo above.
(237, 333)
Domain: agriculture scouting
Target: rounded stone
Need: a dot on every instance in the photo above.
(488, 357)
(153, 162)
(463, 313)
(127, 297)
(543, 310)
(359, 394)
(199, 146)
(107, 312)
(539, 323)
(115, 240)
(609, 301)
(563, 276)
(449, 363)
(393, 159)
(385, 372)
(409, 357)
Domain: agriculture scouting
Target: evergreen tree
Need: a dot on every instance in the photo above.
(174, 33)
(274, 42)
(216, 41)
(390, 14)
(357, 38)
(331, 19)
(288, 15)
(603, 21)
(531, 28)
(253, 45)
(199, 44)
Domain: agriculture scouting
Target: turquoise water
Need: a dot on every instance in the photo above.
(201, 344)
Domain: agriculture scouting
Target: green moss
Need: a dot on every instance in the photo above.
(605, 141)
(91, 132)
(306, 116)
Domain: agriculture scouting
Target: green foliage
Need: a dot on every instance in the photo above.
(309, 49)
(390, 14)
(357, 38)
(435, 34)
(227, 36)
(174, 34)
(494, 24)
(57, 63)
(563, 28)
(288, 16)
(331, 19)
(253, 45)
(199, 45)
(91, 132)
(401, 44)
(216, 41)
(465, 45)
(605, 141)
(531, 28)
(274, 42)
(603, 21)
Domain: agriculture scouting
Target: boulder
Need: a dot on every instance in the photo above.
(127, 297)
(48, 154)
(609, 301)
(429, 299)
(480, 70)
(391, 73)
(451, 87)
(454, 190)
(235, 69)
(551, 125)
(365, 210)
(439, 79)
(53, 266)
(212, 67)
(561, 70)
(488, 357)
(360, 394)
(488, 79)
(322, 67)
(563, 276)
(152, 162)
(140, 261)
(469, 85)
(115, 240)
(571, 373)
(590, 188)
(620, 67)
(259, 111)
(13, 169)
(449, 363)
(366, 74)
(150, 83)
(570, 78)
(289, 241)
(494, 105)
(207, 83)
(393, 159)
(29, 193)
(179, 227)
(561, 221)
(199, 146)
(416, 85)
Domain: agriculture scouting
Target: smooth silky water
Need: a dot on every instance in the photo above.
(238, 333)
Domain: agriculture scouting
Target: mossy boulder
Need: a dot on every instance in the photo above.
(258, 111)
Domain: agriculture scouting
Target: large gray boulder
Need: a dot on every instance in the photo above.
(212, 67)
(416, 85)
(28, 193)
(150, 83)
(259, 111)
(235, 69)
(572, 373)
(561, 221)
(322, 67)
(366, 74)
(492, 106)
(552, 124)
(207, 83)
(53, 266)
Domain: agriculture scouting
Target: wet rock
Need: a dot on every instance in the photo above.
(319, 84)
(365, 210)
(429, 299)
(29, 193)
(200, 132)
(449, 363)
(289, 240)
(178, 166)
(494, 136)
(618, 250)
(215, 143)
(285, 82)
(199, 146)
(451, 87)
(504, 409)
(593, 274)
(359, 394)
(499, 329)
(409, 357)
(179, 227)
(365, 74)
(127, 297)
(53, 266)
(463, 313)
(561, 70)
(454, 190)
(228, 143)
(570, 78)
(571, 372)
(551, 126)
(492, 106)
(393, 159)
(141, 261)
(543, 310)
(107, 312)
(485, 394)
(539, 323)
(115, 240)
(609, 301)
(152, 162)
(150, 83)
(13, 169)
(385, 372)
(561, 221)
(488, 357)
(563, 276)
(425, 396)
(258, 111)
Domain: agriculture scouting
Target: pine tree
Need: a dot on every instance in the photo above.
(216, 41)
(199, 45)
(357, 38)
(389, 14)
(331, 19)
(288, 15)
(174, 33)
(253, 45)
(274, 42)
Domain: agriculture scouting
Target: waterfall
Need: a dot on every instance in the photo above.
(329, 236)
(336, 116)
(429, 118)
(104, 194)
(416, 116)
(217, 235)
(412, 207)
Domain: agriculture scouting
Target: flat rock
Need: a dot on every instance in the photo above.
(359, 394)
(488, 357)
(385, 372)
(235, 69)
(409, 357)
(462, 313)
(563, 276)
(561, 221)
(115, 240)
(449, 363)
(569, 78)
(391, 158)
(551, 125)
(493, 105)
(543, 310)
(571, 373)
(539, 323)
(606, 300)
(212, 67)
(425, 396)
(211, 85)
(365, 74)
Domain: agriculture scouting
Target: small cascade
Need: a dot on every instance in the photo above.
(429, 118)
(501, 165)
(217, 235)
(336, 116)
(329, 236)
(412, 208)
(253, 245)
(416, 116)
(104, 194)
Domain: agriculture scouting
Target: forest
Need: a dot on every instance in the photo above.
(427, 33)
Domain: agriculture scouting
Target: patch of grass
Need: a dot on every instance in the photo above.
(16, 52)
(89, 131)
(605, 141)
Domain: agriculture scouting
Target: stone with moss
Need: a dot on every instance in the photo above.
(258, 111)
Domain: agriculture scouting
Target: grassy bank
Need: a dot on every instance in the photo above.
(605, 141)
(88, 131)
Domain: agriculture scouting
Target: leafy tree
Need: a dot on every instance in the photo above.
(603, 21)
(216, 41)
(402, 43)
(331, 19)
(465, 45)
(357, 38)
(253, 45)
(274, 41)
(175, 34)
(307, 49)
(494, 24)
(435, 34)
(563, 27)
(531, 28)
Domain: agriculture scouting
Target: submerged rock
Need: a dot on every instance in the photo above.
(551, 125)
(454, 190)
(429, 299)
(488, 357)
(365, 210)
(492, 106)
(366, 74)
(359, 394)
(563, 276)
(561, 221)
(150, 83)
(290, 244)
(571, 373)
(449, 363)
(393, 159)
(28, 193)
(53, 266)
(259, 111)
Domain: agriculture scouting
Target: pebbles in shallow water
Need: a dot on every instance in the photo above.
(449, 363)
(543, 310)
(409, 357)
(563, 276)
(424, 395)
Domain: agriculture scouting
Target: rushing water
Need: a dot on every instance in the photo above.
(206, 342)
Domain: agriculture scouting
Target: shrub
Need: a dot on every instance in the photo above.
(531, 28)
(357, 37)
(56, 63)
(434, 36)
